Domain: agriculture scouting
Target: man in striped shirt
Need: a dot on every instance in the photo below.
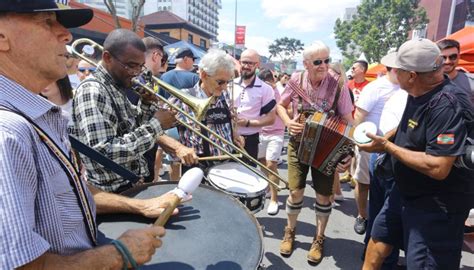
(47, 216)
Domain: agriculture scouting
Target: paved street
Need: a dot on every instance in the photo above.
(343, 247)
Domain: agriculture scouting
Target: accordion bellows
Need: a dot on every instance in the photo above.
(326, 140)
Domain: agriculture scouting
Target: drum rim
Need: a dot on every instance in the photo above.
(137, 189)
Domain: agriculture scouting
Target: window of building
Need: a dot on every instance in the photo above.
(190, 38)
(202, 43)
(159, 8)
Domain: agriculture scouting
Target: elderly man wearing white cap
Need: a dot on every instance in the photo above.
(434, 196)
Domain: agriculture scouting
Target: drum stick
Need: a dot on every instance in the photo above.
(222, 157)
(188, 183)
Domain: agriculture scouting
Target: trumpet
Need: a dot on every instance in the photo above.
(199, 107)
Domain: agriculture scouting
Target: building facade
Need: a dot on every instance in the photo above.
(204, 14)
(445, 17)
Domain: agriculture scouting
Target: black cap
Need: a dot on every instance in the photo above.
(68, 17)
(185, 52)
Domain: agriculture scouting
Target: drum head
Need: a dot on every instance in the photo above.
(362, 129)
(212, 231)
(236, 178)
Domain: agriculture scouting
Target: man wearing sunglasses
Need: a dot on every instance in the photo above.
(216, 70)
(318, 89)
(84, 69)
(253, 101)
(450, 49)
(106, 120)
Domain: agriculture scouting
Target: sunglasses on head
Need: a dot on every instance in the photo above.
(451, 57)
(320, 61)
(90, 69)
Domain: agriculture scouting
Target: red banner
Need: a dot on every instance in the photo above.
(240, 35)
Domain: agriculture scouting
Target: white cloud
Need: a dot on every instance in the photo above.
(305, 15)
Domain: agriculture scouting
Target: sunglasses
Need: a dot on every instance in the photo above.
(320, 61)
(223, 82)
(90, 69)
(451, 57)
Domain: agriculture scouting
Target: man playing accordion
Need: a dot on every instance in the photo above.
(315, 89)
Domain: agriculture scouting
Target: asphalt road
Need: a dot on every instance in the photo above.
(343, 247)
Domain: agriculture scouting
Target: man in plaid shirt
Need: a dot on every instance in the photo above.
(105, 120)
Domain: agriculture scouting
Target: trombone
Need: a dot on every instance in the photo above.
(199, 106)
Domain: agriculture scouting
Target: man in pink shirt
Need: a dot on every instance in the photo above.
(253, 101)
(319, 89)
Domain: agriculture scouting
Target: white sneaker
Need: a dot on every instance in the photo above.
(338, 197)
(272, 208)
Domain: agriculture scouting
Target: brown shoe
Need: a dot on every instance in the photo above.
(286, 246)
(315, 254)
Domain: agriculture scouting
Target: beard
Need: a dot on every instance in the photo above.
(448, 68)
(247, 74)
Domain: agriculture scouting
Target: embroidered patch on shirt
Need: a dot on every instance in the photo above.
(445, 139)
(412, 123)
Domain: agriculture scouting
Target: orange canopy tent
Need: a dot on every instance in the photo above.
(374, 71)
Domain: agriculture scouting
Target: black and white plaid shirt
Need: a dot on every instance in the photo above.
(96, 124)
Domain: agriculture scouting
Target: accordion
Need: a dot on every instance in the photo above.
(325, 141)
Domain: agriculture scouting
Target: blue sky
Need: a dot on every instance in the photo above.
(266, 20)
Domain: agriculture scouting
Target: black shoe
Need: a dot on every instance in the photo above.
(360, 225)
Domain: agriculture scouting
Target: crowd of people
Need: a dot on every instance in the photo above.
(410, 192)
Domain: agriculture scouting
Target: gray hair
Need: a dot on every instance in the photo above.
(316, 47)
(215, 60)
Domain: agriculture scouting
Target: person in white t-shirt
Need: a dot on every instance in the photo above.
(271, 143)
(369, 108)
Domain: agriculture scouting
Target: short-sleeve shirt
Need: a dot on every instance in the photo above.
(181, 79)
(393, 111)
(356, 88)
(252, 101)
(374, 97)
(39, 210)
(322, 95)
(465, 83)
(278, 128)
(434, 123)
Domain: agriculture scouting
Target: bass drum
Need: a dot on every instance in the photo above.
(211, 232)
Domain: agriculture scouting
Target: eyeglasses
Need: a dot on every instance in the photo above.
(320, 61)
(132, 69)
(223, 82)
(451, 57)
(84, 69)
(248, 63)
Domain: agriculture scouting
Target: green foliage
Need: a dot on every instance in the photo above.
(285, 48)
(378, 26)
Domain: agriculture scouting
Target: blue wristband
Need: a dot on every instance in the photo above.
(127, 253)
(117, 246)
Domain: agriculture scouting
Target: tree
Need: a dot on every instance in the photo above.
(136, 5)
(378, 26)
(285, 48)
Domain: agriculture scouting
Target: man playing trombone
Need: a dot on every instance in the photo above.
(105, 120)
(216, 70)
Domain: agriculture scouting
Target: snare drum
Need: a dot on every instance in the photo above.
(212, 231)
(235, 179)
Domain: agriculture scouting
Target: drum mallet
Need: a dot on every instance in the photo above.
(187, 184)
